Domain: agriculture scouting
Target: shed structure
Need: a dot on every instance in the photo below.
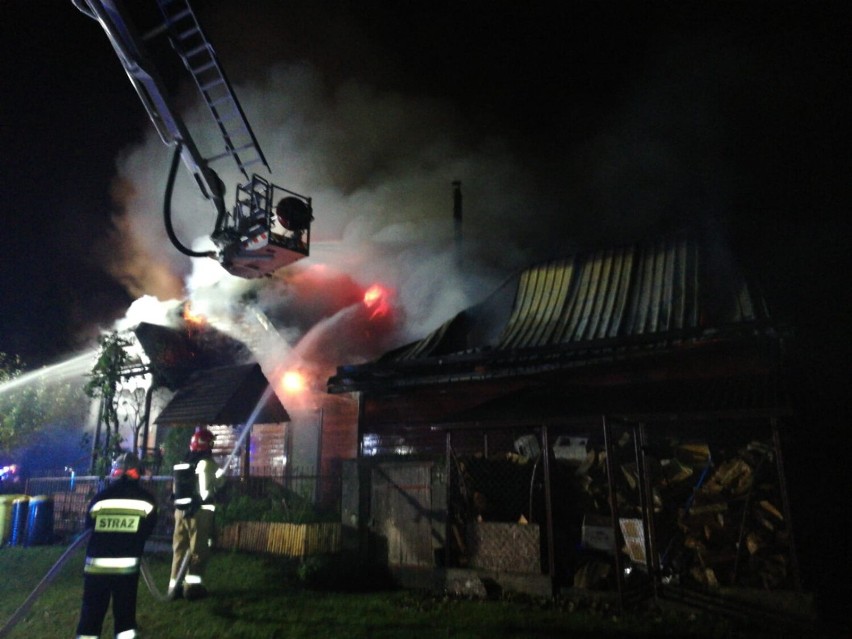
(626, 405)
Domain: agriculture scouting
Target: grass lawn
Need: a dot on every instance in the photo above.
(254, 597)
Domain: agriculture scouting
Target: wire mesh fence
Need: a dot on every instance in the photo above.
(589, 503)
(495, 502)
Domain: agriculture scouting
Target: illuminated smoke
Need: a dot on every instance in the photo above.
(379, 167)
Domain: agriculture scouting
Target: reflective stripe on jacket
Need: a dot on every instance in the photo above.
(111, 565)
(122, 517)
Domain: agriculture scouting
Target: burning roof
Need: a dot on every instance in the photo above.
(175, 354)
(223, 396)
(616, 303)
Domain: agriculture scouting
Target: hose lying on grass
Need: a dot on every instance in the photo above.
(24, 608)
(44, 583)
(148, 578)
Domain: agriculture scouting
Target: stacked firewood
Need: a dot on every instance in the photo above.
(718, 517)
(734, 527)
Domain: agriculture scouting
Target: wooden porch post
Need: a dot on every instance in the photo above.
(785, 502)
(551, 560)
(646, 497)
(448, 526)
(613, 509)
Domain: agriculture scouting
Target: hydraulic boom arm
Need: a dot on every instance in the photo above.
(253, 240)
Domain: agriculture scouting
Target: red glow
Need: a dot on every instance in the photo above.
(375, 298)
(373, 294)
(293, 382)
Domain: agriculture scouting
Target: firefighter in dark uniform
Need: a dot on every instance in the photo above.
(122, 517)
(196, 480)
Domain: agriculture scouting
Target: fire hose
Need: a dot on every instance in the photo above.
(148, 578)
(145, 569)
(184, 566)
(44, 583)
(24, 608)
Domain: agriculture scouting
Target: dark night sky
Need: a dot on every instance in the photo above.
(756, 90)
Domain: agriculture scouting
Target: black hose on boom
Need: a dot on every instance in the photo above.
(167, 210)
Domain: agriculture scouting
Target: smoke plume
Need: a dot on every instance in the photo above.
(379, 167)
(379, 163)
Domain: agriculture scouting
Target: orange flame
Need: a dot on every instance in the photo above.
(293, 382)
(195, 319)
(375, 298)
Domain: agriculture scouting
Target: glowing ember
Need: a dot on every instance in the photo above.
(293, 382)
(190, 317)
(373, 295)
(375, 298)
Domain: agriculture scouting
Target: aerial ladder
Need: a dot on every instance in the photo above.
(268, 227)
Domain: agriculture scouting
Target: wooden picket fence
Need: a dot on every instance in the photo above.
(290, 540)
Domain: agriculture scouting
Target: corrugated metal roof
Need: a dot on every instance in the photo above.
(602, 306)
(663, 287)
(629, 291)
(223, 396)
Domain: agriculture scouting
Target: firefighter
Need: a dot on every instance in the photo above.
(122, 517)
(196, 480)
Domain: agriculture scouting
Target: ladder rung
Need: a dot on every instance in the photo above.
(224, 98)
(179, 15)
(206, 67)
(209, 85)
(244, 148)
(213, 158)
(200, 59)
(204, 47)
(225, 154)
(188, 33)
(208, 78)
(231, 142)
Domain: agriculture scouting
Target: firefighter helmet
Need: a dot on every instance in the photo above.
(202, 440)
(125, 465)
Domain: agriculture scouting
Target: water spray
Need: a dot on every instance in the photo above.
(79, 541)
(246, 429)
(75, 366)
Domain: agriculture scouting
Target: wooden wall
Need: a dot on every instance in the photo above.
(339, 441)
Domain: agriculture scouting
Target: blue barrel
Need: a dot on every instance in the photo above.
(40, 521)
(20, 512)
(6, 516)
